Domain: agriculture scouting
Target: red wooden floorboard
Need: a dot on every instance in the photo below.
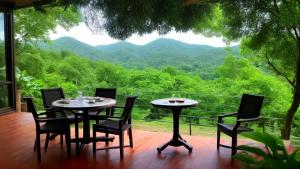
(17, 133)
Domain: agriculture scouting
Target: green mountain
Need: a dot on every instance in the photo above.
(158, 53)
(72, 45)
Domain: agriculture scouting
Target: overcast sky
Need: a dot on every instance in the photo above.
(1, 26)
(83, 34)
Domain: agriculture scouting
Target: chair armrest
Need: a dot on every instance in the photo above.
(228, 114)
(105, 117)
(248, 120)
(49, 111)
(63, 119)
(48, 108)
(220, 117)
(42, 113)
(113, 117)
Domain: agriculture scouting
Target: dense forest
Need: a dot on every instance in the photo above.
(230, 78)
(156, 54)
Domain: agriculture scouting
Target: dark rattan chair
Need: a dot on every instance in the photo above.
(107, 93)
(47, 125)
(117, 126)
(50, 95)
(249, 110)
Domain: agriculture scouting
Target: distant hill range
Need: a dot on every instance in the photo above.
(158, 53)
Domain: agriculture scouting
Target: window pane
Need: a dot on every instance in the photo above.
(2, 49)
(4, 96)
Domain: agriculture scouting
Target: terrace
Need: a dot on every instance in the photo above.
(17, 132)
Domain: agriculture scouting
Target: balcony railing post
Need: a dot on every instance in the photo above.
(190, 123)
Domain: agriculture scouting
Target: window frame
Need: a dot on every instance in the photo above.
(10, 62)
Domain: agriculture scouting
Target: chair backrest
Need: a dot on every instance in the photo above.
(106, 92)
(50, 95)
(30, 107)
(128, 108)
(250, 106)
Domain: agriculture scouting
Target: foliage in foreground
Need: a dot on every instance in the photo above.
(273, 156)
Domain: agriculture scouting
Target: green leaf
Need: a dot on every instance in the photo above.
(246, 158)
(267, 139)
(253, 150)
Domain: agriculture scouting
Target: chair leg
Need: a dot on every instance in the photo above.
(218, 139)
(61, 140)
(38, 147)
(34, 146)
(106, 135)
(121, 140)
(47, 142)
(108, 113)
(68, 142)
(234, 144)
(130, 137)
(77, 134)
(112, 112)
(94, 140)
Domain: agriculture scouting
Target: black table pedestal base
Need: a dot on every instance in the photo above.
(177, 140)
(176, 143)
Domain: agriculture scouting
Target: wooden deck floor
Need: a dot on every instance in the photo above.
(17, 133)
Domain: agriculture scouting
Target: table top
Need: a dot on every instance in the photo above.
(84, 103)
(174, 103)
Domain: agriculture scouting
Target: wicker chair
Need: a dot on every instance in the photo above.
(117, 126)
(47, 125)
(103, 92)
(249, 110)
(50, 95)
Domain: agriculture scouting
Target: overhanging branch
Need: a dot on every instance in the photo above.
(279, 72)
(192, 2)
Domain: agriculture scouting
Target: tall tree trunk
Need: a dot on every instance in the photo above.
(286, 130)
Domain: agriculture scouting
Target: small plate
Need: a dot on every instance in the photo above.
(99, 99)
(172, 100)
(63, 102)
(179, 100)
(91, 102)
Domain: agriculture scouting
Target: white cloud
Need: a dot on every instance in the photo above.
(82, 33)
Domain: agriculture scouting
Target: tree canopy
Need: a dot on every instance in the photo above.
(31, 25)
(123, 18)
